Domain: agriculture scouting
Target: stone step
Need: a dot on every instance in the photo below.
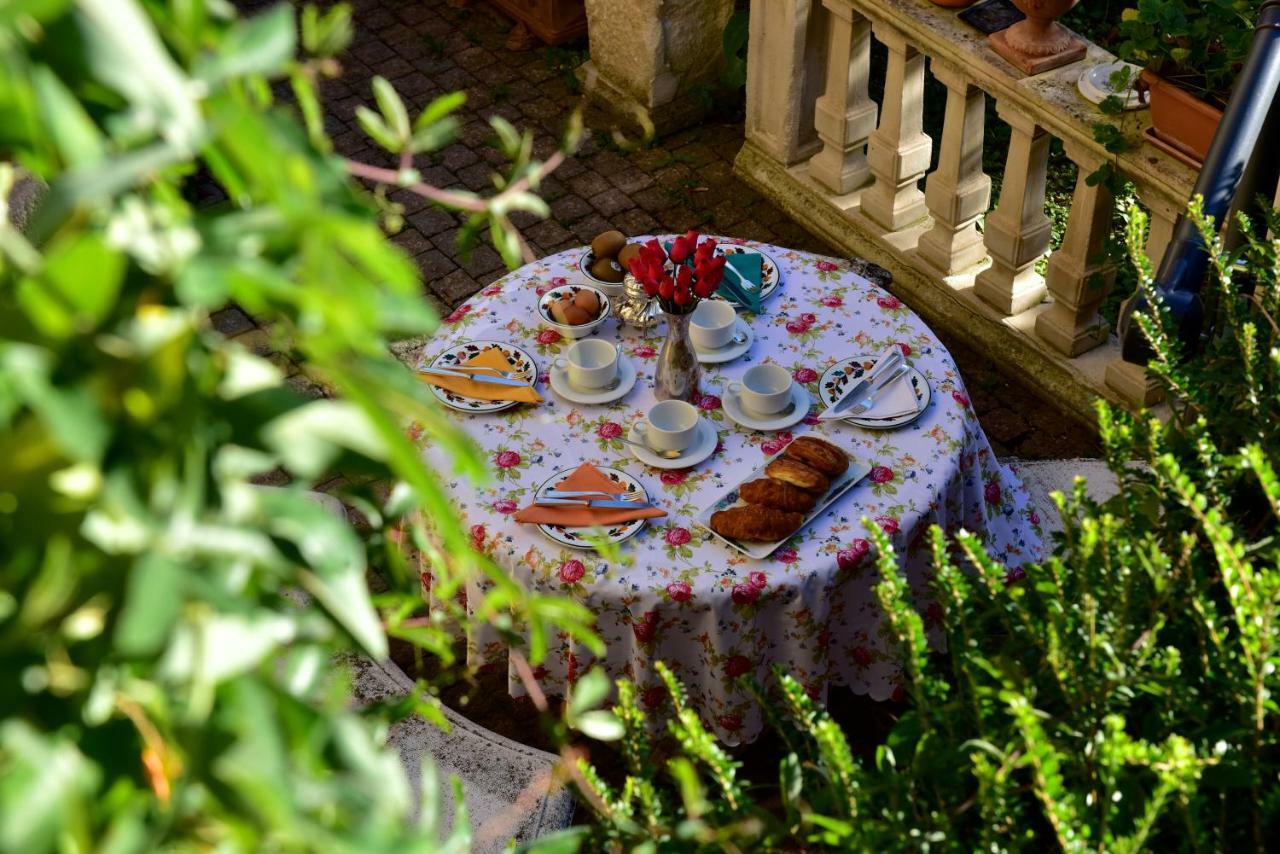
(506, 784)
(1043, 477)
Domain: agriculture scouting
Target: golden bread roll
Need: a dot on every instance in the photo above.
(777, 494)
(798, 474)
(755, 523)
(608, 244)
(817, 454)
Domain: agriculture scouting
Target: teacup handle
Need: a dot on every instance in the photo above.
(560, 363)
(641, 429)
(735, 388)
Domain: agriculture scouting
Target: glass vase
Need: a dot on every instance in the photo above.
(678, 372)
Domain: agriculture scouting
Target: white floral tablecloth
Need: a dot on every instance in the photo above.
(685, 598)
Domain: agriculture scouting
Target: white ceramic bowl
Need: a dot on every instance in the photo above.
(581, 330)
(610, 289)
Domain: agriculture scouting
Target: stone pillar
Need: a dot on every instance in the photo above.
(786, 58)
(899, 151)
(648, 57)
(1164, 215)
(1080, 275)
(845, 115)
(1133, 383)
(1017, 231)
(958, 192)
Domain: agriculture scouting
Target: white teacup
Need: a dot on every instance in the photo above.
(764, 390)
(671, 425)
(590, 363)
(711, 325)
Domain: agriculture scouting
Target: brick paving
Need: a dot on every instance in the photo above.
(428, 47)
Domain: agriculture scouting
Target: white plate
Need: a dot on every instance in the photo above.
(704, 445)
(770, 272)
(626, 381)
(1095, 84)
(521, 362)
(832, 384)
(586, 538)
(800, 398)
(727, 354)
(854, 473)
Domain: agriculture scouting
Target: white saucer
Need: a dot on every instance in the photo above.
(1096, 86)
(626, 380)
(703, 446)
(799, 397)
(733, 351)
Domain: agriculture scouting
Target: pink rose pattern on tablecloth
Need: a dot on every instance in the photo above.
(685, 598)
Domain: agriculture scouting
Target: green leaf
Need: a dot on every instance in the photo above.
(153, 597)
(77, 138)
(46, 781)
(439, 108)
(392, 108)
(600, 725)
(589, 692)
(263, 44)
(377, 130)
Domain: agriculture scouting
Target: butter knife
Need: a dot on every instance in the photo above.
(604, 504)
(868, 400)
(480, 378)
(889, 361)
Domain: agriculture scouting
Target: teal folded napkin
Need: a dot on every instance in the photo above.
(745, 286)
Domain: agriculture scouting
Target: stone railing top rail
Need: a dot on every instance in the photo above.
(1052, 98)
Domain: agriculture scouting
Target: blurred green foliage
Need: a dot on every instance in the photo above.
(168, 628)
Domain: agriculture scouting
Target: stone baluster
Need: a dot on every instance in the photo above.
(786, 54)
(1017, 231)
(958, 192)
(898, 152)
(845, 115)
(1080, 275)
(1133, 383)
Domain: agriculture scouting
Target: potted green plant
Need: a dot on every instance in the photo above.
(1192, 52)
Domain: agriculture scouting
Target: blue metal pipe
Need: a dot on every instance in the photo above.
(1244, 155)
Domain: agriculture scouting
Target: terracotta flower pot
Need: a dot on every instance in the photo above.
(1039, 43)
(1183, 125)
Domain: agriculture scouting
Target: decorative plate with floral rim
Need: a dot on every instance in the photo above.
(586, 538)
(837, 377)
(521, 361)
(770, 272)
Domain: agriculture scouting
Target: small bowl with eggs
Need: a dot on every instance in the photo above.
(574, 310)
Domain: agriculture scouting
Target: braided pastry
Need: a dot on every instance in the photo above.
(817, 454)
(798, 474)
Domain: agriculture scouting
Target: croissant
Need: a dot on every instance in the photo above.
(776, 494)
(755, 523)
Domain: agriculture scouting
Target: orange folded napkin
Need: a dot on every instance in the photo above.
(490, 358)
(584, 477)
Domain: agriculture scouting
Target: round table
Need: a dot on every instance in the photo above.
(712, 613)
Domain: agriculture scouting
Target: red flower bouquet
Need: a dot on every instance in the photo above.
(690, 272)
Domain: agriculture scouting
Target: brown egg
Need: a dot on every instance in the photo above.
(575, 316)
(628, 252)
(608, 244)
(558, 310)
(607, 270)
(588, 302)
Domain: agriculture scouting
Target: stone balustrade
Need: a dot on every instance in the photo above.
(857, 173)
